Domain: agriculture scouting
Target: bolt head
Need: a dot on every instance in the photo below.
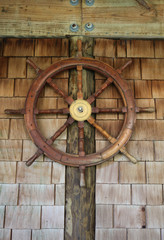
(89, 2)
(74, 2)
(74, 27)
(89, 26)
(80, 109)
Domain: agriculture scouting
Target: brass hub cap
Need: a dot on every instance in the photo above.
(80, 110)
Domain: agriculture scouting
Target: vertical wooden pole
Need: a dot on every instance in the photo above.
(80, 201)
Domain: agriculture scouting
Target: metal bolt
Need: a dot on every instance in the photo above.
(80, 109)
(74, 27)
(89, 2)
(89, 26)
(74, 2)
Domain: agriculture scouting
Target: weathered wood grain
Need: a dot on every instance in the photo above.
(50, 234)
(151, 234)
(80, 201)
(38, 173)
(6, 87)
(17, 67)
(21, 234)
(35, 194)
(38, 18)
(159, 150)
(112, 194)
(111, 234)
(22, 217)
(110, 18)
(132, 173)
(18, 47)
(124, 19)
(129, 216)
(140, 48)
(155, 216)
(150, 194)
(104, 216)
(53, 217)
(3, 68)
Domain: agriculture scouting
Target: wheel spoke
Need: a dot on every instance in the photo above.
(32, 159)
(50, 141)
(33, 65)
(15, 111)
(122, 110)
(94, 110)
(69, 121)
(111, 139)
(79, 48)
(52, 111)
(122, 68)
(109, 110)
(81, 138)
(92, 98)
(92, 121)
(67, 99)
(79, 82)
(82, 176)
(144, 109)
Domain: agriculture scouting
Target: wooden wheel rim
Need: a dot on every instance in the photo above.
(65, 158)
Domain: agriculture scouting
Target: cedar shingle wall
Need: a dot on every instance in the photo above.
(129, 198)
(32, 199)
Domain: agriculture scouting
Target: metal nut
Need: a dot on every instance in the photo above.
(74, 27)
(80, 109)
(89, 27)
(89, 2)
(74, 2)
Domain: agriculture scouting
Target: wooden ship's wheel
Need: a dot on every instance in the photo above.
(79, 110)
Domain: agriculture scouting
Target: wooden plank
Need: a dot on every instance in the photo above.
(23, 217)
(52, 47)
(140, 48)
(151, 234)
(113, 194)
(80, 201)
(160, 109)
(53, 217)
(51, 234)
(152, 69)
(150, 194)
(155, 216)
(153, 130)
(129, 216)
(18, 47)
(132, 173)
(104, 216)
(110, 18)
(38, 18)
(21, 234)
(104, 48)
(111, 234)
(124, 19)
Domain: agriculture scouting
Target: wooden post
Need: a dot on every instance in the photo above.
(80, 201)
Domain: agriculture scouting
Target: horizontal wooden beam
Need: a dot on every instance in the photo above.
(114, 19)
(44, 18)
(125, 19)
